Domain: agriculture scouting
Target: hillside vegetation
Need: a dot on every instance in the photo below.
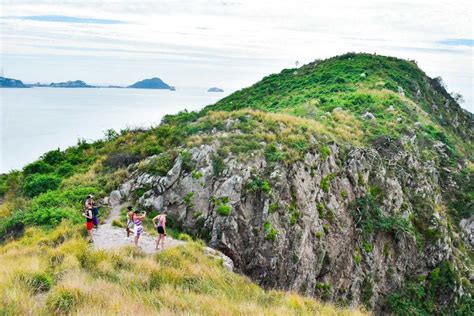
(348, 179)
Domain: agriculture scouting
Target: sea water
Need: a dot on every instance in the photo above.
(36, 120)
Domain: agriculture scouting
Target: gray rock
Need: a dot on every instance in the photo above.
(115, 198)
(368, 116)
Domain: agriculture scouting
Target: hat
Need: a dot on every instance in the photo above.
(90, 196)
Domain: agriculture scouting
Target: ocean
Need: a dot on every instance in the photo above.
(36, 120)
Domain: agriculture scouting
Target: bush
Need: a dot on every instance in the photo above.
(37, 167)
(160, 165)
(53, 157)
(120, 160)
(39, 183)
(224, 209)
(37, 281)
(217, 165)
(65, 169)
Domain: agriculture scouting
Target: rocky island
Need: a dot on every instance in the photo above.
(215, 89)
(153, 83)
(11, 83)
(71, 84)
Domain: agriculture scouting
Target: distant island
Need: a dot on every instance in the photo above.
(71, 84)
(153, 83)
(215, 89)
(11, 83)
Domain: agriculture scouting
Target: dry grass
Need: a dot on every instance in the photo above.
(43, 274)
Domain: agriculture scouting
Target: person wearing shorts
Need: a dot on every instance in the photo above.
(130, 223)
(89, 223)
(160, 223)
(138, 228)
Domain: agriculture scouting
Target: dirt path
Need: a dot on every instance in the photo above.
(111, 237)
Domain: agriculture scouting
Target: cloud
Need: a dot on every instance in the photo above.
(458, 42)
(230, 39)
(68, 19)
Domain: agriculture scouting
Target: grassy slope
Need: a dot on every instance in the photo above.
(56, 272)
(283, 111)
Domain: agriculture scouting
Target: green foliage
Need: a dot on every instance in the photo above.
(325, 152)
(188, 199)
(36, 282)
(368, 247)
(369, 218)
(188, 164)
(196, 175)
(326, 182)
(218, 166)
(357, 256)
(273, 208)
(257, 184)
(423, 295)
(39, 183)
(160, 165)
(222, 208)
(324, 290)
(38, 167)
(273, 154)
(271, 232)
(325, 213)
(366, 293)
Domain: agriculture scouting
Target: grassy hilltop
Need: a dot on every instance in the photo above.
(354, 100)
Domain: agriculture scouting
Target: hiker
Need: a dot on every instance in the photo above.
(89, 224)
(130, 223)
(138, 228)
(95, 211)
(161, 228)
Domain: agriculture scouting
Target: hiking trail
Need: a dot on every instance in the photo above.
(108, 236)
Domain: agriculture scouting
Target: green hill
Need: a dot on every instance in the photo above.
(348, 180)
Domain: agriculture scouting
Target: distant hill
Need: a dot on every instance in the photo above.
(153, 83)
(71, 84)
(11, 83)
(215, 89)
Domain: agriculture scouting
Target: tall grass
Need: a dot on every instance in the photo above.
(58, 273)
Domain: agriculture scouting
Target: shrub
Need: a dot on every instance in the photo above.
(273, 208)
(37, 167)
(40, 183)
(160, 165)
(326, 181)
(36, 281)
(217, 165)
(63, 300)
(188, 164)
(224, 209)
(325, 152)
(53, 157)
(120, 160)
(65, 169)
(273, 154)
(196, 175)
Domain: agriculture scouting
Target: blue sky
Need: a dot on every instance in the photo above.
(230, 44)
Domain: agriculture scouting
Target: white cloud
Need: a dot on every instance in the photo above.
(233, 42)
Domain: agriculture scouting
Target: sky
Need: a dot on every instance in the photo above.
(229, 44)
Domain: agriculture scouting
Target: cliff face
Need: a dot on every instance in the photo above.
(337, 224)
(353, 204)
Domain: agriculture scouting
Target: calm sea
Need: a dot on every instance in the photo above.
(37, 120)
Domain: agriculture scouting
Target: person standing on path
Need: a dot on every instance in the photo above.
(95, 211)
(130, 223)
(89, 223)
(138, 229)
(160, 223)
